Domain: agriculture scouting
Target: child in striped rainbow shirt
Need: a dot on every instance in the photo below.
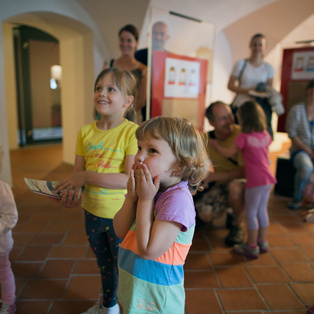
(157, 219)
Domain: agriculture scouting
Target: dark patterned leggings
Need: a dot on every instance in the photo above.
(105, 245)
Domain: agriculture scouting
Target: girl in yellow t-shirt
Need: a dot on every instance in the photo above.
(104, 156)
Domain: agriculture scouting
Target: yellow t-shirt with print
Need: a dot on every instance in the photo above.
(105, 151)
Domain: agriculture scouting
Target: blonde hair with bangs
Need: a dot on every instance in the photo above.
(125, 82)
(187, 144)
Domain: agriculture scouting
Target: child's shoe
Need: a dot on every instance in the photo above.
(246, 250)
(7, 308)
(263, 246)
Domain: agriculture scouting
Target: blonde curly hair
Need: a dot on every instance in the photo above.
(187, 144)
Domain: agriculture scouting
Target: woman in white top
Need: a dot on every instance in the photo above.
(248, 73)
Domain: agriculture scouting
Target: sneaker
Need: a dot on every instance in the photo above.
(246, 250)
(7, 308)
(235, 236)
(96, 309)
(293, 205)
(263, 246)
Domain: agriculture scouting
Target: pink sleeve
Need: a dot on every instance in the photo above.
(240, 141)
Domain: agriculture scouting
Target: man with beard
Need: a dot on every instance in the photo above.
(224, 187)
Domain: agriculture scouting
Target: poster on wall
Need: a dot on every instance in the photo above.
(181, 78)
(178, 53)
(178, 87)
(303, 65)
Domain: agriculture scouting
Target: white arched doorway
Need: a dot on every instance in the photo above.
(76, 42)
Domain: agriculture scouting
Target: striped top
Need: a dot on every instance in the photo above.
(298, 124)
(156, 286)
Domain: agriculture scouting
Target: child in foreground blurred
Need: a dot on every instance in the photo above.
(8, 220)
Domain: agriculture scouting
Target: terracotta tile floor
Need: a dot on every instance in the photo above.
(56, 272)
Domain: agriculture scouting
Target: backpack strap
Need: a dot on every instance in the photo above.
(242, 70)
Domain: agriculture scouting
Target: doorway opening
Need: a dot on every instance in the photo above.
(39, 81)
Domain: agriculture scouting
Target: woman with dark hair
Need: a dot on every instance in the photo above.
(128, 42)
(248, 73)
(300, 128)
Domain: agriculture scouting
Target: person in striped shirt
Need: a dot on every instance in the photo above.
(300, 129)
(157, 219)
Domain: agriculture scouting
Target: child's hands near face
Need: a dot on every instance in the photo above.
(131, 187)
(146, 186)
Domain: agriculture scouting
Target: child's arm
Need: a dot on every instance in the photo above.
(154, 237)
(106, 180)
(110, 180)
(225, 151)
(221, 176)
(125, 217)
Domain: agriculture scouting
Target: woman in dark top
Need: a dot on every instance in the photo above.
(128, 36)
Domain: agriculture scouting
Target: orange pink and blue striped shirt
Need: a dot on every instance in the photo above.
(156, 286)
